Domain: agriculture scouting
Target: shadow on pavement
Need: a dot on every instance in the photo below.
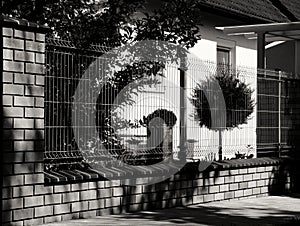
(274, 210)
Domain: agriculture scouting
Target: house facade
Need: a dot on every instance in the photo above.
(238, 51)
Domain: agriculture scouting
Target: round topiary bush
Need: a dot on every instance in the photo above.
(238, 101)
(237, 96)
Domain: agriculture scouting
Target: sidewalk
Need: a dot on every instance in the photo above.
(272, 210)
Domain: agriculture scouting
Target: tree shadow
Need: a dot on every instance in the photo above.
(23, 148)
(292, 114)
(224, 214)
(7, 137)
(285, 178)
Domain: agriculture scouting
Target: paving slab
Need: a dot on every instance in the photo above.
(271, 210)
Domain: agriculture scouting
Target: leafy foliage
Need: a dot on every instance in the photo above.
(168, 117)
(237, 96)
(80, 21)
(175, 21)
(111, 22)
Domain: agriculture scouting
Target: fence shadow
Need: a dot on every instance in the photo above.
(215, 216)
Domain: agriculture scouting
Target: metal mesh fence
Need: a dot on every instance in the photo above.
(133, 139)
(278, 110)
(65, 65)
(238, 134)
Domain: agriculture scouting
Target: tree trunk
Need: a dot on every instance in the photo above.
(220, 145)
(159, 143)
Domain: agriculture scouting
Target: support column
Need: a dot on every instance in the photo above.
(261, 53)
(183, 116)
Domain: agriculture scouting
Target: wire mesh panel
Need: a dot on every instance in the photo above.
(125, 108)
(237, 131)
(277, 124)
(127, 104)
(140, 115)
(65, 66)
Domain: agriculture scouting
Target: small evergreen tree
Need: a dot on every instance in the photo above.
(238, 101)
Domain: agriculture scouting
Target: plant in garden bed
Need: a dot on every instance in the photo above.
(167, 116)
(239, 155)
(237, 97)
(159, 126)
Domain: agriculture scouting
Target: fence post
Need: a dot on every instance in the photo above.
(279, 113)
(183, 116)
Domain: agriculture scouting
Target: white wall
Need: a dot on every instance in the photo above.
(244, 59)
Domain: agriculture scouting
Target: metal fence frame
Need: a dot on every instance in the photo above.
(275, 91)
(63, 51)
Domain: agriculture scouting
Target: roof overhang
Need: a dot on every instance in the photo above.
(265, 34)
(272, 31)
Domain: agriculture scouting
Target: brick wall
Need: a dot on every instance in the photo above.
(23, 120)
(25, 199)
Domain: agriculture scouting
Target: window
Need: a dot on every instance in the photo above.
(226, 53)
(223, 56)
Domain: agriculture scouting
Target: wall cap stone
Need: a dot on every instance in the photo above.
(22, 24)
(241, 163)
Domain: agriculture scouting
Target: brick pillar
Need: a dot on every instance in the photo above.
(23, 79)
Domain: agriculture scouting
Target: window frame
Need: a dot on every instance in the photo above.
(227, 50)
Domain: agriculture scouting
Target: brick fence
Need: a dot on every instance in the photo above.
(25, 199)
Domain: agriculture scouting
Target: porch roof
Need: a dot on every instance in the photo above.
(272, 31)
(265, 33)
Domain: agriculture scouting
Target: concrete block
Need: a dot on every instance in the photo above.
(30, 222)
(34, 178)
(248, 177)
(13, 89)
(23, 56)
(62, 208)
(80, 206)
(14, 180)
(88, 195)
(252, 184)
(13, 43)
(13, 112)
(70, 197)
(238, 193)
(10, 204)
(33, 201)
(34, 68)
(7, 31)
(23, 168)
(34, 112)
(24, 34)
(8, 54)
(13, 66)
(34, 46)
(234, 186)
(53, 199)
(23, 146)
(22, 214)
(24, 101)
(219, 196)
(213, 189)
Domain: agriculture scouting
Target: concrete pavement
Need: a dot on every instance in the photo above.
(271, 210)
